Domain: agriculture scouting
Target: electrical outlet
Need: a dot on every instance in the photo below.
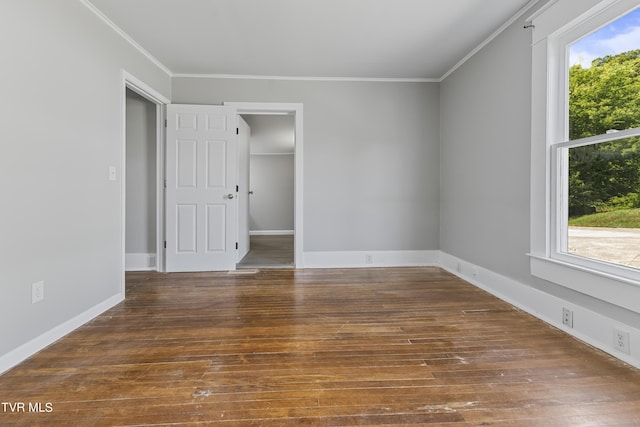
(621, 341)
(37, 292)
(368, 259)
(567, 317)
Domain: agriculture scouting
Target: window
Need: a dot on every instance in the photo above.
(599, 166)
(586, 148)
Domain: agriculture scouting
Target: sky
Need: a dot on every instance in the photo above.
(619, 36)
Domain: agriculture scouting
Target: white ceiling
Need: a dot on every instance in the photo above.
(396, 39)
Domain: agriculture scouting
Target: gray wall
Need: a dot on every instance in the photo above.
(272, 170)
(272, 203)
(485, 144)
(271, 133)
(371, 157)
(61, 130)
(141, 175)
(485, 162)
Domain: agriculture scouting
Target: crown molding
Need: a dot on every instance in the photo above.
(307, 78)
(489, 39)
(540, 11)
(126, 36)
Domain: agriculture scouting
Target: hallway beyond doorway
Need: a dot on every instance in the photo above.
(269, 252)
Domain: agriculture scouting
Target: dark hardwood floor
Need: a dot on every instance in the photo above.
(365, 347)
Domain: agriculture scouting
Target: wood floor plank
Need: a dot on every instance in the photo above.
(390, 346)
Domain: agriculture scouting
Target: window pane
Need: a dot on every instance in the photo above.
(604, 201)
(604, 79)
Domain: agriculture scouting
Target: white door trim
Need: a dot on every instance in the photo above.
(131, 82)
(294, 109)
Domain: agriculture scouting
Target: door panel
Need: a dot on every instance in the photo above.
(187, 121)
(187, 229)
(216, 168)
(216, 228)
(217, 122)
(187, 157)
(201, 194)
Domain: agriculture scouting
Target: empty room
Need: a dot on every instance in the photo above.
(457, 184)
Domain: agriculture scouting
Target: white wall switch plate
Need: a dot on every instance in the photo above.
(37, 292)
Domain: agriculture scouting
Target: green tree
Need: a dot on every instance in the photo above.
(604, 97)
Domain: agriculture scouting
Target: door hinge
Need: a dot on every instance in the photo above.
(165, 183)
(165, 244)
(236, 245)
(237, 131)
(237, 189)
(165, 122)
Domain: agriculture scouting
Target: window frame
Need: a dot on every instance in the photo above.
(557, 25)
(559, 204)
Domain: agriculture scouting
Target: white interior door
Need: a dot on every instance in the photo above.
(244, 242)
(201, 188)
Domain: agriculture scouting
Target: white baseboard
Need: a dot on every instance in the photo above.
(588, 326)
(140, 262)
(14, 357)
(359, 259)
(271, 233)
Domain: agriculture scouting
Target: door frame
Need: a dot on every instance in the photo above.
(243, 159)
(296, 110)
(129, 81)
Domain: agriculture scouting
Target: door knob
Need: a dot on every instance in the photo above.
(229, 196)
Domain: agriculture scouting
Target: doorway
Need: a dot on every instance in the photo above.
(275, 240)
(190, 210)
(142, 120)
(270, 196)
(140, 173)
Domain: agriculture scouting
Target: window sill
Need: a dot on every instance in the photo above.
(615, 289)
